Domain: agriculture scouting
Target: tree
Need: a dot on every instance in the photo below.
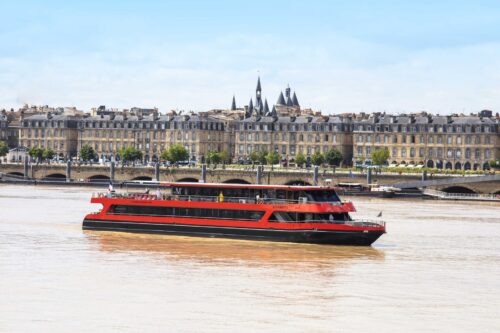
(36, 153)
(317, 158)
(214, 157)
(494, 164)
(300, 160)
(380, 156)
(254, 156)
(48, 154)
(4, 149)
(258, 156)
(224, 155)
(262, 156)
(87, 153)
(164, 155)
(333, 157)
(272, 158)
(129, 154)
(175, 153)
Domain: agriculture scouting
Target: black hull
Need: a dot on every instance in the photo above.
(295, 236)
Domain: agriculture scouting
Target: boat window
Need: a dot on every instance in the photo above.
(292, 217)
(321, 196)
(204, 213)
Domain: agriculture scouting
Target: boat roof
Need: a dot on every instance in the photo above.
(249, 186)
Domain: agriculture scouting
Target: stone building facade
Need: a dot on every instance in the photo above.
(198, 133)
(55, 131)
(443, 142)
(9, 128)
(289, 136)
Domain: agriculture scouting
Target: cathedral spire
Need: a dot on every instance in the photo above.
(274, 114)
(266, 107)
(250, 107)
(233, 104)
(259, 88)
(281, 100)
(295, 101)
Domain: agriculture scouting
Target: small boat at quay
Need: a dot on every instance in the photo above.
(301, 214)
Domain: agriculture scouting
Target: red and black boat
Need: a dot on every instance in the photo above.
(303, 214)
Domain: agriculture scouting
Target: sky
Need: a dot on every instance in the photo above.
(339, 56)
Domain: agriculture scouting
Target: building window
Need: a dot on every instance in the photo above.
(403, 152)
(394, 152)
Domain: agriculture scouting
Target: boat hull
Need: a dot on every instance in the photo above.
(334, 237)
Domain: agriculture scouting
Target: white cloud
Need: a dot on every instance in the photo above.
(338, 75)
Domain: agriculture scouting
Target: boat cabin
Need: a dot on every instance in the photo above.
(246, 193)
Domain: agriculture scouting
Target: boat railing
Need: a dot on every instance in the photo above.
(201, 198)
(356, 223)
(469, 196)
(366, 223)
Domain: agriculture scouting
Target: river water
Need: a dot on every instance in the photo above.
(437, 269)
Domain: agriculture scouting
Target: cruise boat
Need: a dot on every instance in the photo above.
(302, 214)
